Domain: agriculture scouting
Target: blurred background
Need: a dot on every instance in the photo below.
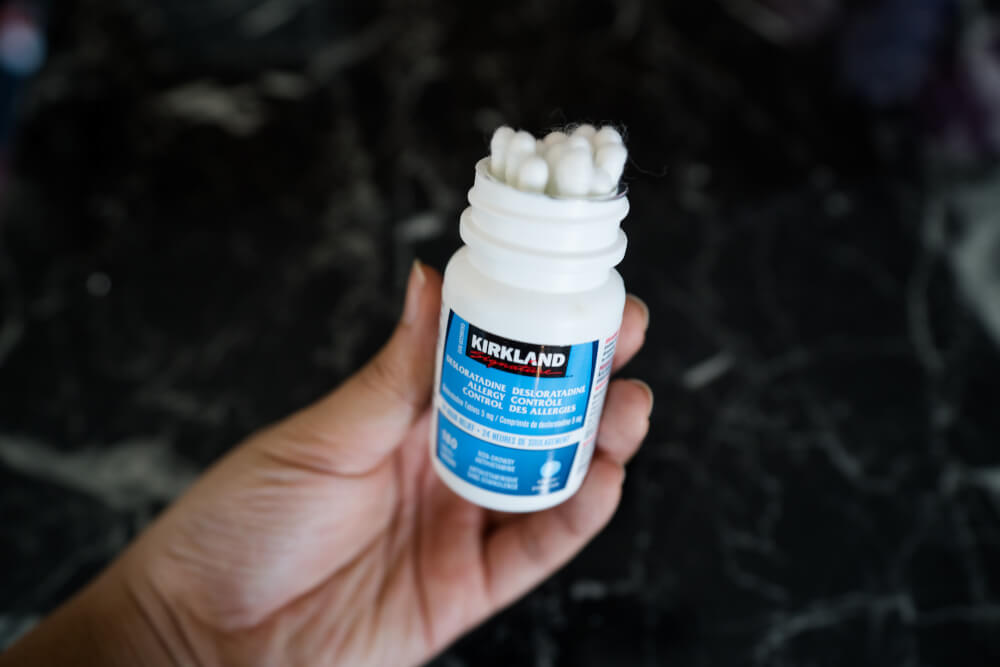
(209, 208)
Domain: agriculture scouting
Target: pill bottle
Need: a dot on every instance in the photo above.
(531, 307)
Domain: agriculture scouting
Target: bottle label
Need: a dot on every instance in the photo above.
(517, 418)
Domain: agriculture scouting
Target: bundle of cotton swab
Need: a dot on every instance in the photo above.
(585, 163)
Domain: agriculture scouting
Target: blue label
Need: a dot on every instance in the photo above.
(511, 414)
(518, 388)
(517, 472)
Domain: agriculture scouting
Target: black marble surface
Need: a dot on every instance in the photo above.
(213, 206)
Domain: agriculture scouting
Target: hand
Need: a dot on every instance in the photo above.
(328, 538)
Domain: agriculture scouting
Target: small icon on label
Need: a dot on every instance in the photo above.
(550, 468)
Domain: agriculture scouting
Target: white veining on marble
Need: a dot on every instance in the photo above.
(975, 256)
(123, 475)
(14, 626)
(708, 371)
(269, 15)
(786, 626)
(235, 109)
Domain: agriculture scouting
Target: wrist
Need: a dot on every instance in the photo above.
(104, 625)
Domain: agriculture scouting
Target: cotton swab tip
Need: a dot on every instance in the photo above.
(498, 150)
(611, 159)
(553, 138)
(607, 135)
(574, 174)
(533, 174)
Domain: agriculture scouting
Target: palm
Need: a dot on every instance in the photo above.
(329, 539)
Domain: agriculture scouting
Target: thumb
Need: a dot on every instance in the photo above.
(351, 430)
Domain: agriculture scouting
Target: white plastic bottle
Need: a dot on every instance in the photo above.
(530, 315)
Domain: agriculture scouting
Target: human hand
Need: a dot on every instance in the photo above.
(328, 538)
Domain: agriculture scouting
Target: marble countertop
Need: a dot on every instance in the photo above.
(205, 230)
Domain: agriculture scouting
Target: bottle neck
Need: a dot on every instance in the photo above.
(539, 242)
(538, 278)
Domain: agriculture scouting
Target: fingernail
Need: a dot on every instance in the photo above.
(414, 288)
(644, 308)
(648, 390)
